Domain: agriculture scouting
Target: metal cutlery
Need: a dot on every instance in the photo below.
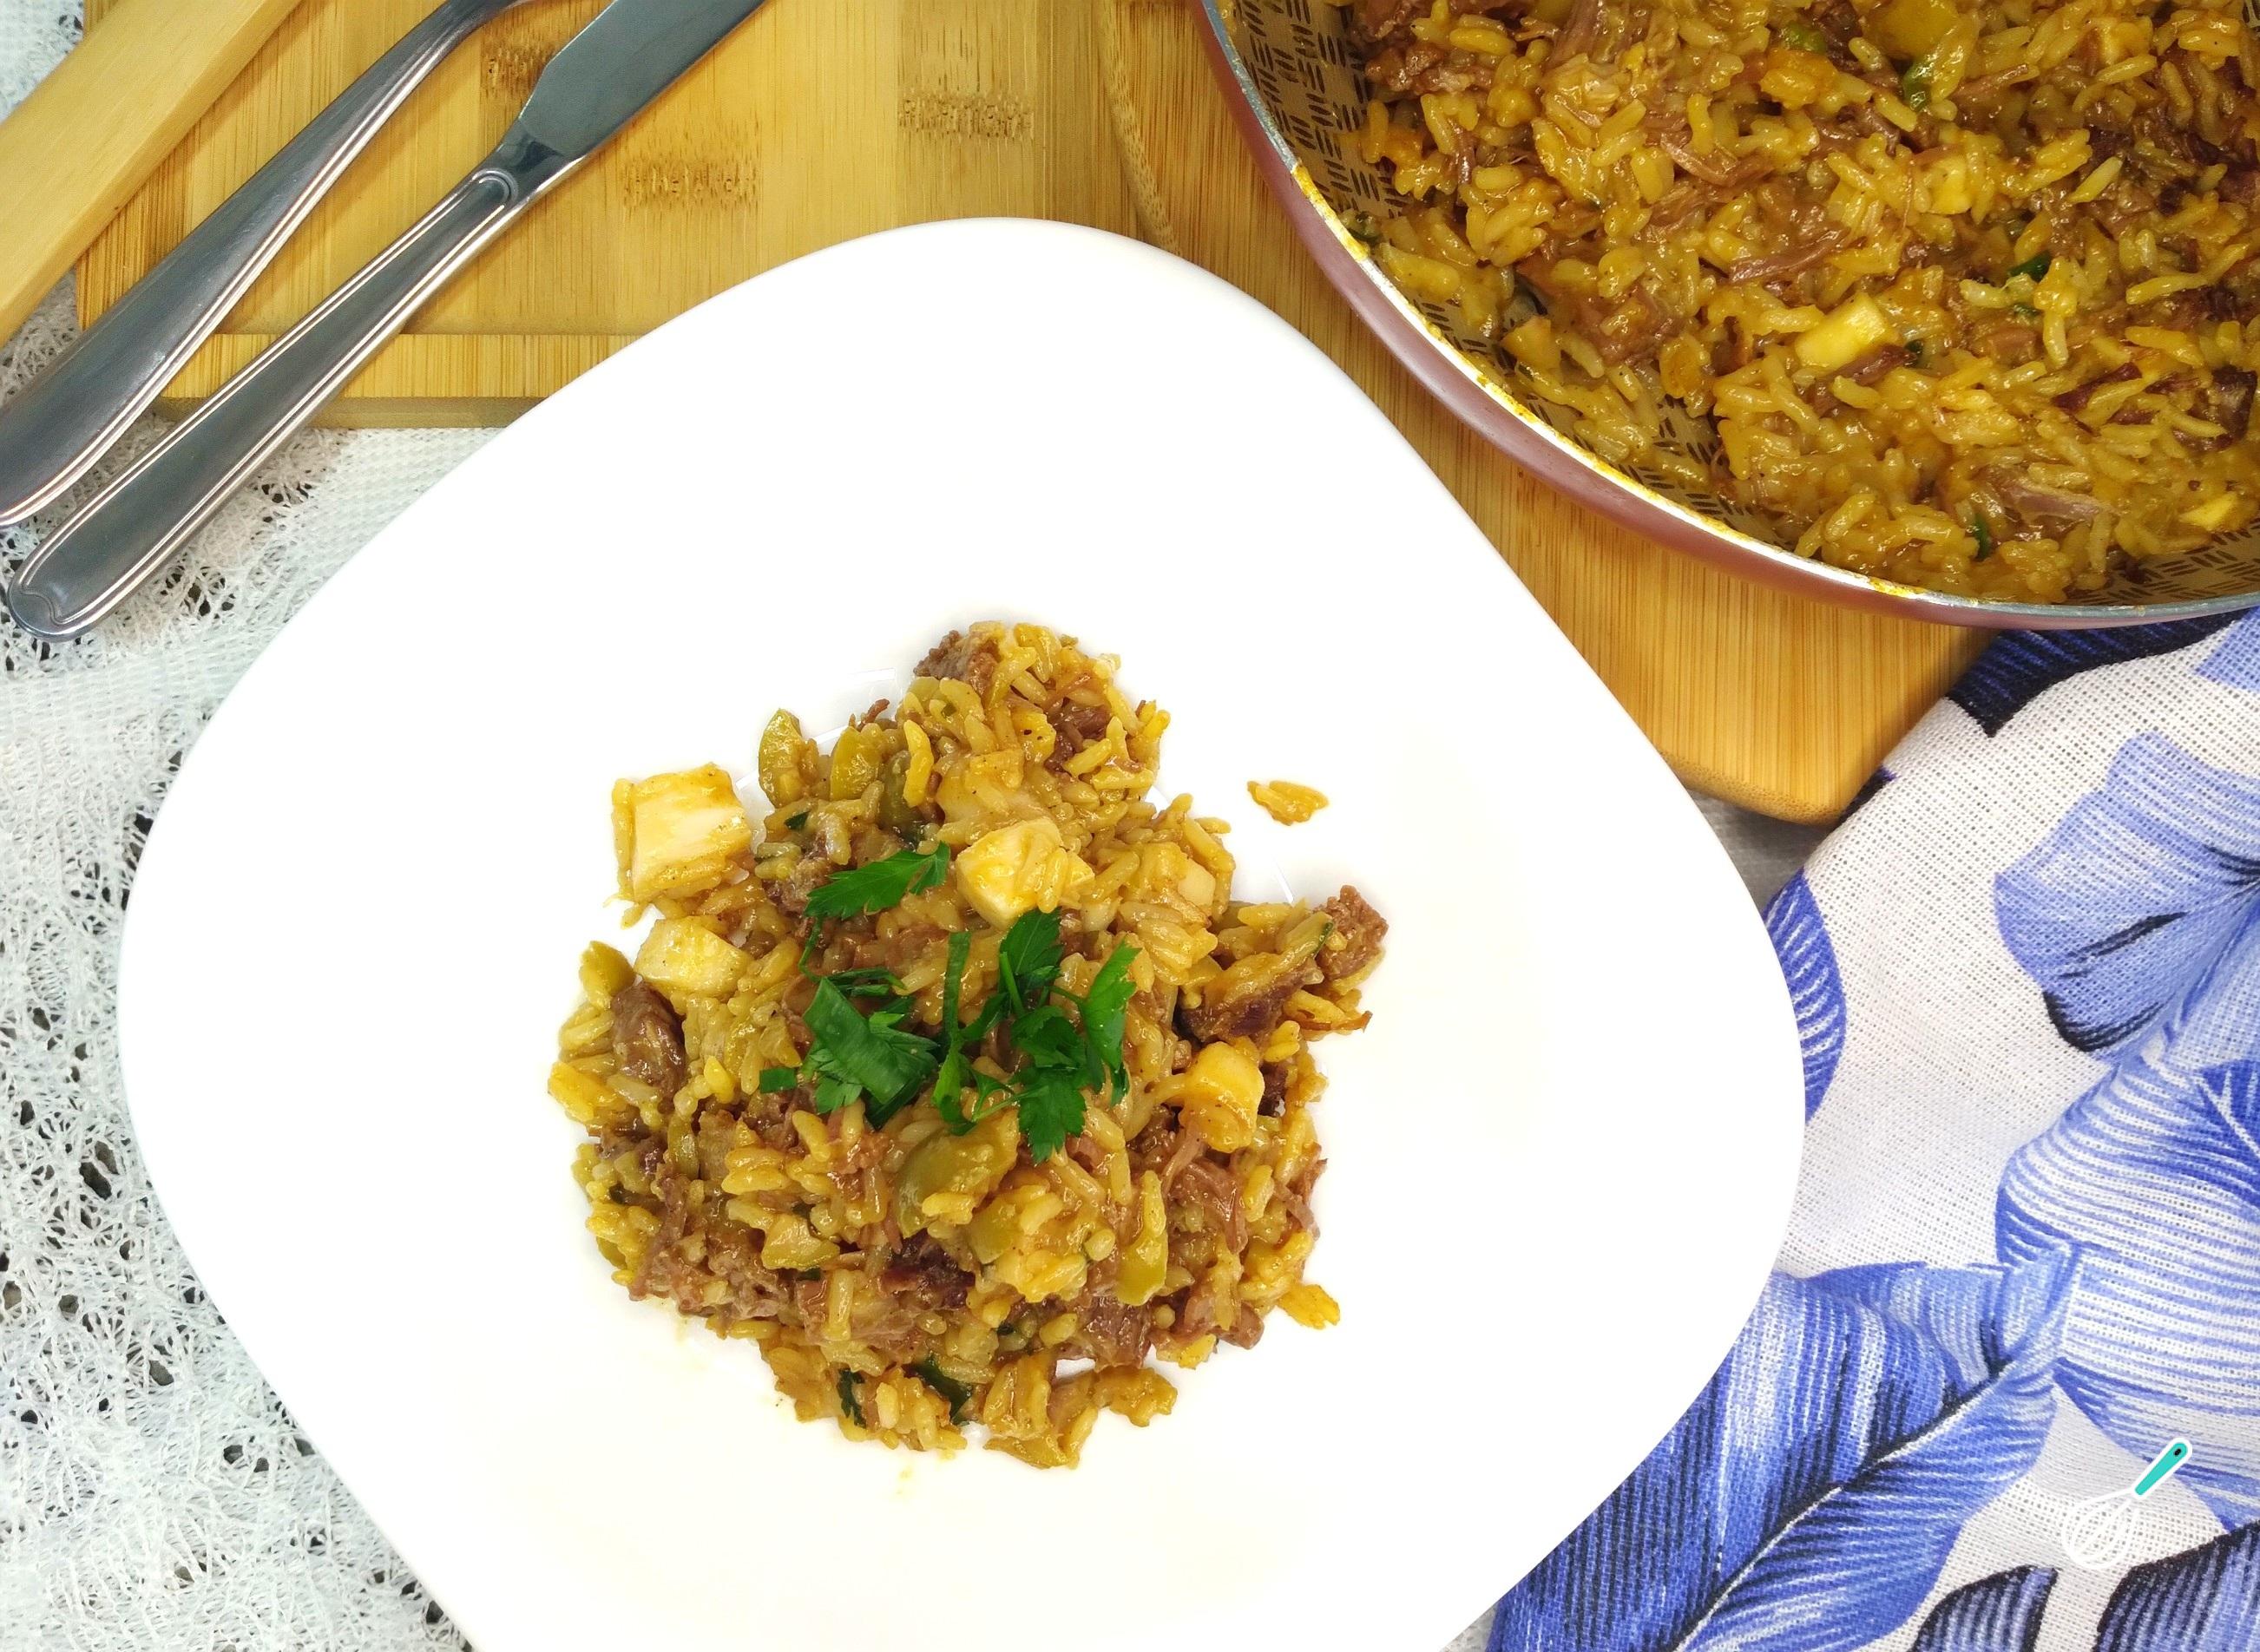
(72, 414)
(633, 51)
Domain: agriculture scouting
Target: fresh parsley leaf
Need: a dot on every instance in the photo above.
(931, 1373)
(990, 1095)
(776, 1080)
(879, 886)
(961, 948)
(2036, 266)
(1049, 1039)
(794, 823)
(871, 982)
(849, 1402)
(833, 1093)
(1028, 958)
(1982, 530)
(949, 1082)
(1110, 992)
(1806, 38)
(1050, 1100)
(854, 1054)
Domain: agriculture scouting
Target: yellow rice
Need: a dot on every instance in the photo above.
(1966, 293)
(891, 1275)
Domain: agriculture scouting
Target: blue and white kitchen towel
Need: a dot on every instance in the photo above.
(2024, 1257)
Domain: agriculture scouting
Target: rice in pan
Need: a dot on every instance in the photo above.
(1969, 294)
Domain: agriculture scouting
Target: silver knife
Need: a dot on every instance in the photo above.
(633, 51)
(72, 414)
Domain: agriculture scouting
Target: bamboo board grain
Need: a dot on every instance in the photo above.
(814, 124)
(826, 119)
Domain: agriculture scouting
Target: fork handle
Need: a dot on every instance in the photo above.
(136, 525)
(71, 415)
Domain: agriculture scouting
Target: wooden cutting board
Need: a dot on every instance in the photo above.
(824, 120)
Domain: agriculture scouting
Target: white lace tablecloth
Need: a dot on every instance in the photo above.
(153, 1493)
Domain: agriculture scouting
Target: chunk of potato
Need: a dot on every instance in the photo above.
(1219, 1097)
(1019, 868)
(680, 832)
(683, 957)
(1850, 330)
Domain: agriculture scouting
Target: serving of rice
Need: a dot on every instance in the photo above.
(1116, 1173)
(1965, 296)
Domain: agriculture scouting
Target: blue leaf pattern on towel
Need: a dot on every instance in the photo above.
(2000, 1614)
(1812, 1498)
(2205, 1600)
(2138, 895)
(2139, 919)
(2152, 1180)
(1808, 1501)
(2237, 662)
(2025, 665)
(1808, 964)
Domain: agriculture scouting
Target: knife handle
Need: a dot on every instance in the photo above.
(55, 432)
(130, 530)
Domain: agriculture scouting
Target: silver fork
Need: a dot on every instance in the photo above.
(52, 433)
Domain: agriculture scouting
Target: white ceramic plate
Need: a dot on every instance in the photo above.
(1559, 1157)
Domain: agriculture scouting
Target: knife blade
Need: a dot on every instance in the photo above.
(607, 74)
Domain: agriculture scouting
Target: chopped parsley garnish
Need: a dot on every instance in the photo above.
(1064, 1058)
(1028, 958)
(1806, 38)
(1914, 352)
(1982, 530)
(794, 823)
(957, 1393)
(882, 884)
(849, 1402)
(872, 983)
(2036, 266)
(1110, 992)
(1048, 1039)
(959, 1042)
(1050, 1100)
(851, 1054)
(862, 890)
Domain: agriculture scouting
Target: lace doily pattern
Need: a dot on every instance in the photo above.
(153, 1493)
